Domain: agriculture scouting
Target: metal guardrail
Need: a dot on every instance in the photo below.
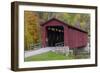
(61, 50)
(59, 44)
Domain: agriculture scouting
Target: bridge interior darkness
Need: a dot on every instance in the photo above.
(55, 36)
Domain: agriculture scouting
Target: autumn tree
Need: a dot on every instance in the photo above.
(31, 29)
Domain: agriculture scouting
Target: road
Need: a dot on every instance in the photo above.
(36, 52)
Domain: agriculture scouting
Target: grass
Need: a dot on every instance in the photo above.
(82, 56)
(49, 56)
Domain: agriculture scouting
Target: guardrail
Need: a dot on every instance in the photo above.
(35, 46)
(59, 44)
(61, 50)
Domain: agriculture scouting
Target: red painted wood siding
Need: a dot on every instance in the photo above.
(43, 36)
(77, 38)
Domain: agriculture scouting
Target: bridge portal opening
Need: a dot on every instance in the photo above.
(55, 36)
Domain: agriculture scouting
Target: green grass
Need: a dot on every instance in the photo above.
(82, 56)
(49, 56)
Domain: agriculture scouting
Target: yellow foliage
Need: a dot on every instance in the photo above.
(31, 28)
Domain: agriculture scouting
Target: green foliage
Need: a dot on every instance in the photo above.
(79, 20)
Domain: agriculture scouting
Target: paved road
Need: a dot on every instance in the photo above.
(36, 52)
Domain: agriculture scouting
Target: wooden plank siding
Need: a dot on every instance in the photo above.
(76, 38)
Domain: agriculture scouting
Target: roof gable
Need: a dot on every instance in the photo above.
(54, 19)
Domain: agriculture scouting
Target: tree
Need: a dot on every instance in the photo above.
(31, 29)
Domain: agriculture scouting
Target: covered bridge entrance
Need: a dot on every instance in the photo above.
(55, 35)
(56, 32)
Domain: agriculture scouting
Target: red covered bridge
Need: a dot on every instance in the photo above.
(55, 31)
